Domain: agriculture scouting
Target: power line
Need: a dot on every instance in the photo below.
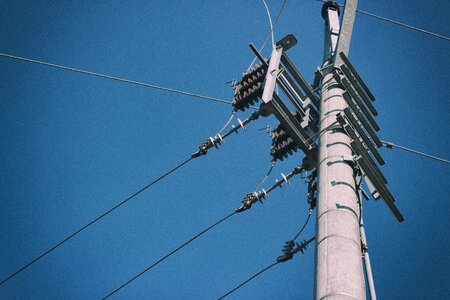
(270, 22)
(265, 177)
(169, 254)
(249, 279)
(304, 226)
(397, 23)
(404, 25)
(116, 78)
(95, 220)
(270, 266)
(270, 33)
(390, 145)
(247, 203)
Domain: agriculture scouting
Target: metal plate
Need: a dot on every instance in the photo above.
(350, 66)
(362, 119)
(299, 78)
(364, 136)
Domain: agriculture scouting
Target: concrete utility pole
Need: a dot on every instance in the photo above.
(338, 263)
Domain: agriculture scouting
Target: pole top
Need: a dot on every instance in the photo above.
(327, 5)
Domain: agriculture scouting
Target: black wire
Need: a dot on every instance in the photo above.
(254, 276)
(169, 254)
(95, 220)
(270, 266)
(304, 226)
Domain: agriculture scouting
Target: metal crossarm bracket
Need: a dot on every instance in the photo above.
(369, 143)
(356, 84)
(371, 171)
(360, 149)
(287, 42)
(297, 129)
(355, 99)
(290, 123)
(289, 86)
(357, 77)
(299, 78)
(362, 119)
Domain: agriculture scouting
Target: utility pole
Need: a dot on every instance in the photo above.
(338, 263)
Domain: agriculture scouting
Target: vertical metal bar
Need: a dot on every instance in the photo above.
(345, 34)
(366, 257)
(338, 264)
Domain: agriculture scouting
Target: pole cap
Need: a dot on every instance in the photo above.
(327, 5)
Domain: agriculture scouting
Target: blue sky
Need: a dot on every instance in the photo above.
(74, 145)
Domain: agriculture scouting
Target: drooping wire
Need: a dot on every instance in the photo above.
(390, 145)
(270, 22)
(95, 220)
(153, 86)
(270, 266)
(249, 279)
(227, 123)
(266, 177)
(397, 23)
(270, 33)
(169, 254)
(304, 225)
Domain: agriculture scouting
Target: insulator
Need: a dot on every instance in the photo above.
(282, 144)
(302, 247)
(249, 88)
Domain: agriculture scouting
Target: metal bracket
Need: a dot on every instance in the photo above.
(287, 42)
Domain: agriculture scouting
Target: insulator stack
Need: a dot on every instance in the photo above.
(282, 144)
(312, 188)
(249, 88)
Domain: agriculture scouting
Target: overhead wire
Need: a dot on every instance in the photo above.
(403, 25)
(153, 86)
(266, 177)
(270, 33)
(390, 145)
(269, 266)
(94, 221)
(227, 123)
(270, 22)
(169, 254)
(238, 210)
(304, 225)
(249, 279)
(397, 23)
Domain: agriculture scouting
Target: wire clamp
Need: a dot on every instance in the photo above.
(289, 250)
(249, 199)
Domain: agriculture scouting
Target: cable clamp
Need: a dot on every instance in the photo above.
(289, 251)
(249, 199)
(206, 145)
